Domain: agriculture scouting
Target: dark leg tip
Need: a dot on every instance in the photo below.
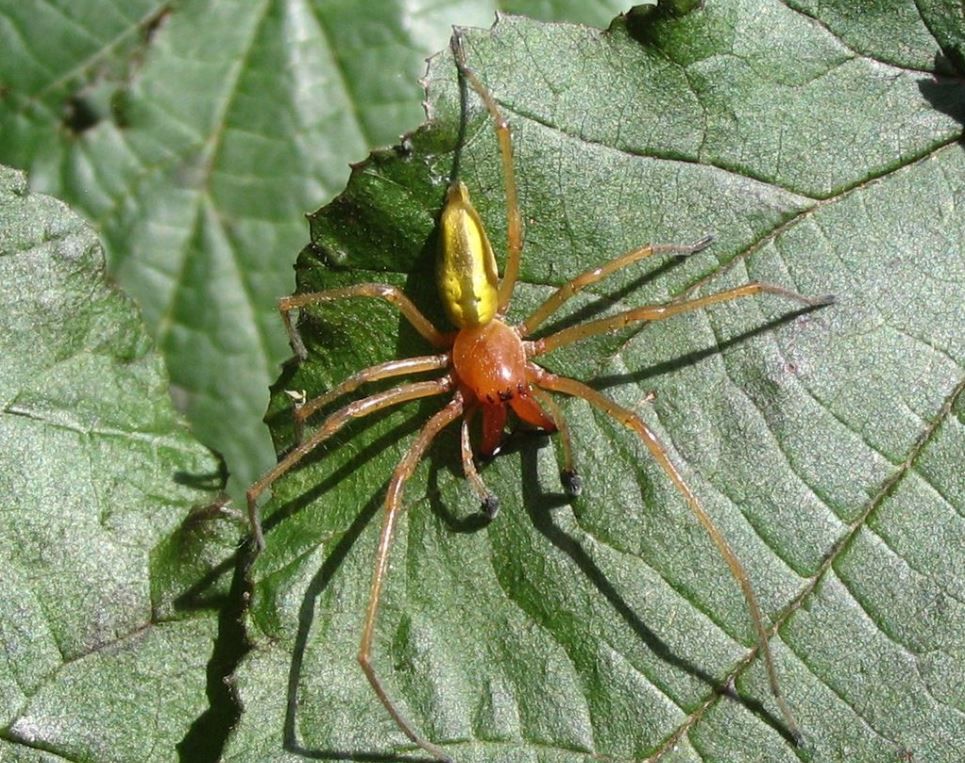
(455, 44)
(699, 246)
(490, 507)
(572, 482)
(799, 738)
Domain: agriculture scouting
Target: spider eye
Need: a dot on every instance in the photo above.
(467, 277)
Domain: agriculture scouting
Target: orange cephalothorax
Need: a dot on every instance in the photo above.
(490, 361)
(489, 364)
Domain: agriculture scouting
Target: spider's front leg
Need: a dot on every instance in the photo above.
(390, 294)
(661, 312)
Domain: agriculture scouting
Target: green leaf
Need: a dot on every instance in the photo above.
(195, 136)
(107, 613)
(826, 444)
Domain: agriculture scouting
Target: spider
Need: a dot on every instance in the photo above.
(488, 369)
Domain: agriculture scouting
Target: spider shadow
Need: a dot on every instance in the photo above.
(205, 593)
(945, 90)
(600, 302)
(540, 507)
(694, 357)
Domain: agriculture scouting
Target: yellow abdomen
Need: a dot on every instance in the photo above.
(466, 273)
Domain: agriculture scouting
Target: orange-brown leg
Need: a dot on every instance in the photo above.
(487, 500)
(590, 277)
(374, 290)
(630, 420)
(660, 312)
(330, 426)
(514, 222)
(393, 505)
(420, 364)
(568, 474)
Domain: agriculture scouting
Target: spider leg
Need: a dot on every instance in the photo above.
(629, 419)
(375, 290)
(660, 312)
(572, 483)
(393, 504)
(570, 289)
(331, 425)
(387, 370)
(514, 222)
(488, 500)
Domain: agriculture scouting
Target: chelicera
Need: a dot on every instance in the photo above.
(488, 369)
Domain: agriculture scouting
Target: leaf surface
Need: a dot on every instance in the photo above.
(195, 136)
(106, 620)
(826, 444)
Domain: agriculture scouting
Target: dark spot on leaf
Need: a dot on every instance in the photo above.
(119, 109)
(155, 22)
(80, 114)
